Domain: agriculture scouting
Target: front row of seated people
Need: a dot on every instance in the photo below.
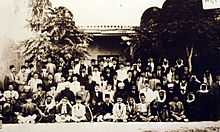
(64, 111)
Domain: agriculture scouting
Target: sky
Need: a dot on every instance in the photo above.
(14, 13)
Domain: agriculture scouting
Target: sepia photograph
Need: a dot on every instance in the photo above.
(110, 65)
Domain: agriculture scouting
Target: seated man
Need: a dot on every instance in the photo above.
(29, 112)
(177, 110)
(49, 110)
(79, 111)
(131, 109)
(63, 110)
(144, 113)
(107, 107)
(11, 95)
(119, 111)
(84, 94)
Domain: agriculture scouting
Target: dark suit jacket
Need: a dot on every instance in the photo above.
(107, 108)
(98, 98)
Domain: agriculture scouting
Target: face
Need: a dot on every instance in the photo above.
(109, 87)
(119, 100)
(74, 78)
(131, 101)
(129, 74)
(96, 88)
(50, 77)
(13, 69)
(49, 100)
(142, 98)
(82, 88)
(23, 70)
(35, 76)
(64, 101)
(10, 87)
(107, 100)
(49, 60)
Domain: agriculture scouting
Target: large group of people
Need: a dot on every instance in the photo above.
(67, 89)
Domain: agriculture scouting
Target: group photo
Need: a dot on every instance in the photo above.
(110, 63)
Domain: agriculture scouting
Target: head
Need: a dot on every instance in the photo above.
(64, 100)
(60, 69)
(49, 60)
(107, 98)
(175, 98)
(12, 68)
(109, 86)
(130, 74)
(50, 77)
(23, 68)
(82, 87)
(35, 76)
(11, 87)
(121, 86)
(39, 87)
(49, 99)
(78, 100)
(142, 97)
(97, 88)
(131, 101)
(75, 78)
(119, 100)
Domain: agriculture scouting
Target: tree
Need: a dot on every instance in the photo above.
(56, 33)
(149, 32)
(181, 24)
(186, 25)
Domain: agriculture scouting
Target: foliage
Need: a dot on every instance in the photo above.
(56, 33)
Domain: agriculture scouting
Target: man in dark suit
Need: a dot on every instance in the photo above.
(10, 77)
(68, 94)
(97, 95)
(129, 81)
(107, 107)
(63, 110)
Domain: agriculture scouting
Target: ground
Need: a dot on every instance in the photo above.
(115, 127)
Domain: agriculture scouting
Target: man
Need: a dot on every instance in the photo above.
(131, 109)
(10, 77)
(119, 111)
(177, 110)
(29, 112)
(67, 93)
(34, 82)
(97, 95)
(63, 110)
(21, 77)
(75, 85)
(107, 108)
(128, 82)
(49, 82)
(121, 92)
(39, 95)
(51, 67)
(84, 94)
(79, 111)
(11, 95)
(96, 75)
(49, 110)
(144, 113)
(58, 75)
(148, 93)
(154, 81)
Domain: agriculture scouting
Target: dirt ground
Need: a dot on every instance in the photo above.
(115, 127)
